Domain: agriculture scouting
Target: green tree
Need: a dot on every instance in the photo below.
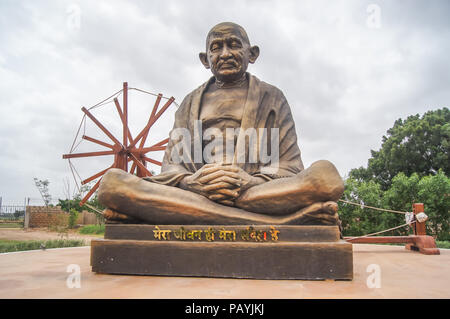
(357, 221)
(69, 205)
(400, 196)
(432, 190)
(403, 192)
(416, 145)
(42, 186)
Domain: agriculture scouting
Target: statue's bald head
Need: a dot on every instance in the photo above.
(226, 27)
(228, 52)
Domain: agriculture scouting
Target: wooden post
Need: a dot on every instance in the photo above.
(125, 126)
(421, 242)
(419, 228)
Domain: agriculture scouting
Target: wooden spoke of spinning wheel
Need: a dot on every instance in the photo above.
(125, 151)
(144, 136)
(142, 151)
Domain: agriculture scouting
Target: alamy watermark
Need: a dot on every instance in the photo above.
(374, 279)
(253, 146)
(74, 279)
(374, 16)
(73, 21)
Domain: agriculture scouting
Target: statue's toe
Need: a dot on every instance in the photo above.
(330, 206)
(315, 214)
(114, 217)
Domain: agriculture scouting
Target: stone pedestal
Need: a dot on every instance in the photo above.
(258, 252)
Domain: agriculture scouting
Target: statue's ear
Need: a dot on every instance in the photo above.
(204, 59)
(254, 53)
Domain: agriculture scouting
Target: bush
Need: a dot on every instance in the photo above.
(15, 245)
(73, 217)
(443, 244)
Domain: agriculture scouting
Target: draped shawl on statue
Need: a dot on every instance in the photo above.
(265, 107)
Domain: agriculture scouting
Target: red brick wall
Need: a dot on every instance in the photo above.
(42, 216)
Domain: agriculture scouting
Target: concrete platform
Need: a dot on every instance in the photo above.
(403, 274)
(224, 251)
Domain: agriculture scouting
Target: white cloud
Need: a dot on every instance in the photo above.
(346, 83)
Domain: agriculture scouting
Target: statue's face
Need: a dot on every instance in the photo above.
(228, 53)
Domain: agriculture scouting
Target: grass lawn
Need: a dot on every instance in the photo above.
(11, 225)
(21, 245)
(443, 244)
(439, 244)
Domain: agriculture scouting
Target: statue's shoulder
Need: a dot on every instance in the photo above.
(268, 88)
(194, 93)
(199, 89)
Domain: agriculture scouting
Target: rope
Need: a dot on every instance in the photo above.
(383, 231)
(76, 146)
(105, 100)
(371, 207)
(72, 168)
(94, 209)
(78, 132)
(143, 91)
(380, 209)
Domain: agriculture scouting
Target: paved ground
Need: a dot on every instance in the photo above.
(404, 274)
(40, 234)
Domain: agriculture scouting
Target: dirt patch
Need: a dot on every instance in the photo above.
(42, 234)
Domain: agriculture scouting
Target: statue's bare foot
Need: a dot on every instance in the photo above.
(331, 207)
(113, 217)
(315, 214)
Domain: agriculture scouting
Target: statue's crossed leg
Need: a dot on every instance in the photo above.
(132, 199)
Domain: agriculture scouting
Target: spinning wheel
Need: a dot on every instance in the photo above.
(130, 149)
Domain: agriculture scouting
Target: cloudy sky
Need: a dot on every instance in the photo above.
(349, 69)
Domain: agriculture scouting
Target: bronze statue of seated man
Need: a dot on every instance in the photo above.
(203, 184)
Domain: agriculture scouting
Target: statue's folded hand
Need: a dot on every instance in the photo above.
(222, 183)
(229, 181)
(216, 182)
